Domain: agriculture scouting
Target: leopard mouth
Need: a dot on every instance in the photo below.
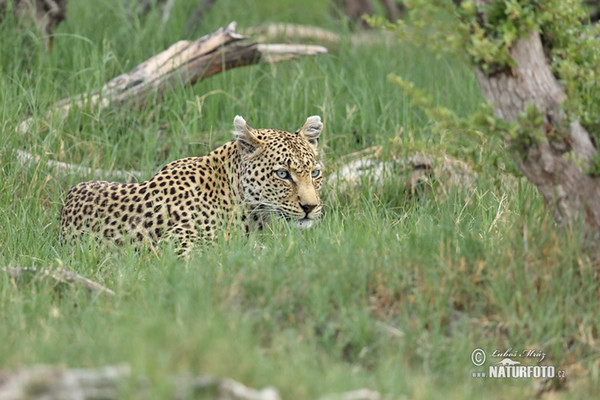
(301, 220)
(304, 223)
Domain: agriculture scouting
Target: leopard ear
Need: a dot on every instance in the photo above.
(247, 141)
(311, 130)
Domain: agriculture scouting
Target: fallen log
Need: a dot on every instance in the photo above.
(185, 62)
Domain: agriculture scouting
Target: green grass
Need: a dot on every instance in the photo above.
(306, 311)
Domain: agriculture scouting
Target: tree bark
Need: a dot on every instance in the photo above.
(557, 163)
(44, 14)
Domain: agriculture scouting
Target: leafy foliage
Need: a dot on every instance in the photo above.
(486, 34)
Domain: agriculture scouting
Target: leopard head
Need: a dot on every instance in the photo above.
(280, 173)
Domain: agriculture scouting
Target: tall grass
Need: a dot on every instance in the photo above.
(387, 292)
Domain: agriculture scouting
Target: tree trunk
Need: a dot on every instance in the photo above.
(572, 194)
(44, 14)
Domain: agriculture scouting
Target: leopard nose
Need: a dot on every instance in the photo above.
(308, 207)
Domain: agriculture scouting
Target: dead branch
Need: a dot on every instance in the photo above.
(29, 160)
(59, 275)
(184, 63)
(268, 32)
(274, 53)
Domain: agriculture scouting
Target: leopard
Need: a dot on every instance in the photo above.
(259, 176)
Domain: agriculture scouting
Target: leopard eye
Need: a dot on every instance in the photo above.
(282, 174)
(315, 173)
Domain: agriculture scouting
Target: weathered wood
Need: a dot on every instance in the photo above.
(274, 31)
(557, 163)
(266, 32)
(184, 62)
